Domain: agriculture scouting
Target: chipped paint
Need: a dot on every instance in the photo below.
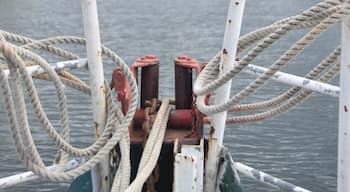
(30, 176)
(266, 178)
(343, 175)
(306, 81)
(211, 132)
(59, 66)
(294, 80)
(224, 51)
(189, 168)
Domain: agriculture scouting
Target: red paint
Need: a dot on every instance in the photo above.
(185, 123)
(184, 82)
(122, 87)
(144, 61)
(181, 119)
(149, 65)
(189, 63)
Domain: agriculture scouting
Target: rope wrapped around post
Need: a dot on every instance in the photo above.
(319, 18)
(116, 123)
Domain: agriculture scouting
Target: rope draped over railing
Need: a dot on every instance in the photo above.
(116, 130)
(19, 54)
(117, 123)
(319, 18)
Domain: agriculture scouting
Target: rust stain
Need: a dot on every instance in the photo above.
(97, 132)
(99, 53)
(224, 51)
(211, 132)
(106, 178)
(345, 108)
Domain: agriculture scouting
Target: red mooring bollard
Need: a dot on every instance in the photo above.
(183, 81)
(149, 65)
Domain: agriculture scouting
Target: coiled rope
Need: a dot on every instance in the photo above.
(319, 18)
(117, 124)
(18, 55)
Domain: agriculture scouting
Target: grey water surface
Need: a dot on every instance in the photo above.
(299, 146)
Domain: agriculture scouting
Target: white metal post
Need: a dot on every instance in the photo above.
(344, 113)
(228, 56)
(100, 174)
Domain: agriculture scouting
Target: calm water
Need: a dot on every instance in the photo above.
(300, 147)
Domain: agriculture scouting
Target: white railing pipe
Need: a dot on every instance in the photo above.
(59, 66)
(285, 78)
(100, 174)
(30, 176)
(267, 179)
(294, 80)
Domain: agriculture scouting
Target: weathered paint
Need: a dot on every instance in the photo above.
(30, 176)
(183, 81)
(189, 168)
(344, 116)
(267, 179)
(294, 80)
(228, 58)
(147, 60)
(58, 67)
(96, 81)
(188, 63)
(149, 65)
(184, 173)
(122, 88)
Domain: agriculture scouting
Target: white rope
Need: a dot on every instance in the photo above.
(320, 17)
(14, 56)
(152, 149)
(21, 134)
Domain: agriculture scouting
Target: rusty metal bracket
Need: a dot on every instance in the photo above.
(122, 88)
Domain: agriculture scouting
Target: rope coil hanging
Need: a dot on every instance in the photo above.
(17, 57)
(116, 123)
(319, 18)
